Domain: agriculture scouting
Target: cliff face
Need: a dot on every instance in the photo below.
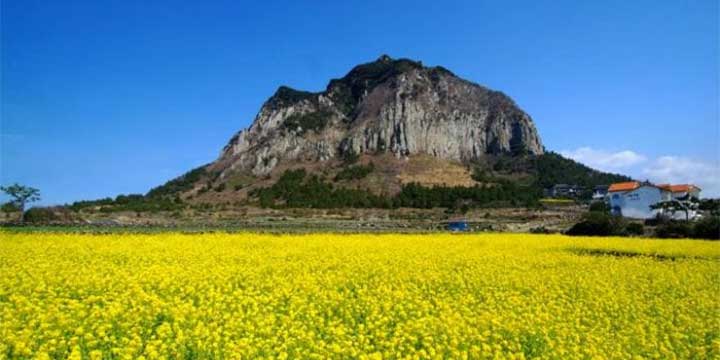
(386, 106)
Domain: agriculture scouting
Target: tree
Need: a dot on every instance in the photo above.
(710, 206)
(21, 195)
(9, 207)
(684, 204)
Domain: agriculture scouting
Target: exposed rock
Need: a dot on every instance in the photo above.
(395, 106)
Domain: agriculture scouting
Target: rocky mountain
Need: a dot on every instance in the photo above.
(389, 106)
(381, 127)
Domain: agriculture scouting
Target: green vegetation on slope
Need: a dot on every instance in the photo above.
(301, 123)
(130, 202)
(180, 184)
(296, 189)
(551, 168)
(497, 186)
(285, 96)
(355, 172)
(547, 170)
(502, 194)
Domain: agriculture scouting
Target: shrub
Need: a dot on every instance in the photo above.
(673, 230)
(9, 207)
(540, 230)
(40, 215)
(635, 229)
(300, 123)
(599, 206)
(657, 220)
(598, 224)
(354, 172)
(204, 189)
(707, 228)
(350, 157)
(480, 175)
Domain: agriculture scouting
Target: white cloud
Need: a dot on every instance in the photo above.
(605, 160)
(682, 170)
(663, 169)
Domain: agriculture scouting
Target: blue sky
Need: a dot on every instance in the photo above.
(106, 97)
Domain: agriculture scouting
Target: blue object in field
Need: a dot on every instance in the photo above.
(458, 226)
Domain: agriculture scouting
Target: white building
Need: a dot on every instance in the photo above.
(634, 199)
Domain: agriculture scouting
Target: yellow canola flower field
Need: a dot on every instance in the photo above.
(364, 296)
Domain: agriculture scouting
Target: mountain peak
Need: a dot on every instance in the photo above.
(286, 96)
(395, 106)
(384, 58)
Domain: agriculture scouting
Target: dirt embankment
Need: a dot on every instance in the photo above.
(552, 219)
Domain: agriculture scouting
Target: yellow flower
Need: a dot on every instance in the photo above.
(508, 296)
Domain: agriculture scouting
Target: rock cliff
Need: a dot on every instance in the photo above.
(395, 106)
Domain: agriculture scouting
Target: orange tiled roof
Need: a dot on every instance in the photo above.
(624, 186)
(678, 188)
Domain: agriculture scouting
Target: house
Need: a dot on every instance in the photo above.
(564, 191)
(682, 191)
(635, 199)
(600, 192)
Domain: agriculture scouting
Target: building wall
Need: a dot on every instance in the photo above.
(636, 203)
